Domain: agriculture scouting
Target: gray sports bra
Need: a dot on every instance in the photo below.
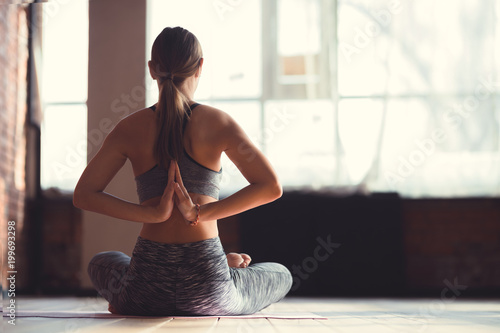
(196, 177)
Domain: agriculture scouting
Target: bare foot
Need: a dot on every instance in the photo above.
(238, 260)
(112, 309)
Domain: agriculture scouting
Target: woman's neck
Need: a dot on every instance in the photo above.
(188, 87)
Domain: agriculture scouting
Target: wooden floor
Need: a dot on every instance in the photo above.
(344, 315)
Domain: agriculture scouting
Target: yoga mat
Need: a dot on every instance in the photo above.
(106, 314)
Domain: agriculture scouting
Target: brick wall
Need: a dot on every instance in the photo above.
(452, 239)
(13, 107)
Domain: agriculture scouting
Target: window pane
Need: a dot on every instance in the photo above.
(299, 37)
(230, 35)
(360, 122)
(65, 51)
(432, 147)
(470, 124)
(299, 141)
(406, 121)
(496, 43)
(414, 47)
(443, 175)
(63, 146)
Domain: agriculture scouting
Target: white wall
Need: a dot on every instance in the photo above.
(117, 32)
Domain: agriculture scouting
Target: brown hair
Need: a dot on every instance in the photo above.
(175, 56)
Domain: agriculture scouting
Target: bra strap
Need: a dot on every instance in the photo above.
(191, 108)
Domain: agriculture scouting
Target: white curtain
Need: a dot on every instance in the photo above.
(419, 106)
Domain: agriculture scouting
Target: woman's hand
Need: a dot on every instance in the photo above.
(164, 209)
(238, 260)
(182, 199)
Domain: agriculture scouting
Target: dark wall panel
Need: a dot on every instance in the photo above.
(333, 246)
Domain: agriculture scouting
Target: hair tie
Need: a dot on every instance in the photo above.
(169, 76)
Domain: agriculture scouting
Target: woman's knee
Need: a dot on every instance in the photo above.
(274, 267)
(105, 261)
(108, 273)
(287, 279)
(103, 258)
(278, 274)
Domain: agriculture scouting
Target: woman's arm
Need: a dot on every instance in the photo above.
(89, 192)
(264, 185)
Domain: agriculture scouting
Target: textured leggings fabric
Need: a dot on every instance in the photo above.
(185, 279)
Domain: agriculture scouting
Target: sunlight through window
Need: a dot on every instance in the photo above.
(64, 94)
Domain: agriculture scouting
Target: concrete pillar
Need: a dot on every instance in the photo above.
(117, 60)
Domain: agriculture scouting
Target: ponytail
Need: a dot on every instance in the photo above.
(171, 113)
(176, 55)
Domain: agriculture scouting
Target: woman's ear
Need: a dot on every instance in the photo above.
(151, 71)
(198, 72)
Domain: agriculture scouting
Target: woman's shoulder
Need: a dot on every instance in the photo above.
(211, 116)
(214, 126)
(133, 129)
(145, 114)
(136, 120)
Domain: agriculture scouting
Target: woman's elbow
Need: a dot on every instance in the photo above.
(78, 198)
(275, 191)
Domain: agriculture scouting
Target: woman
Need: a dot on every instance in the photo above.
(178, 266)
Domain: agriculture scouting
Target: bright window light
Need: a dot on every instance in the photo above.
(373, 94)
(64, 94)
(64, 146)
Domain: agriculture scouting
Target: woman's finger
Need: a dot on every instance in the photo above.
(178, 177)
(183, 190)
(171, 171)
(183, 195)
(169, 190)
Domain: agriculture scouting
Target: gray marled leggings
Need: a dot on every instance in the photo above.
(185, 279)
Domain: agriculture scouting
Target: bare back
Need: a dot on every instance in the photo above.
(208, 133)
(200, 142)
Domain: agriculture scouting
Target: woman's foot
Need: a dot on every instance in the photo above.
(112, 309)
(238, 260)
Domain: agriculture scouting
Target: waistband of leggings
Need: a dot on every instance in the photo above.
(205, 248)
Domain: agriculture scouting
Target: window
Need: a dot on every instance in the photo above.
(64, 93)
(384, 95)
(424, 74)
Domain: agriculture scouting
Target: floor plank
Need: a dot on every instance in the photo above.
(344, 315)
(260, 325)
(190, 325)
